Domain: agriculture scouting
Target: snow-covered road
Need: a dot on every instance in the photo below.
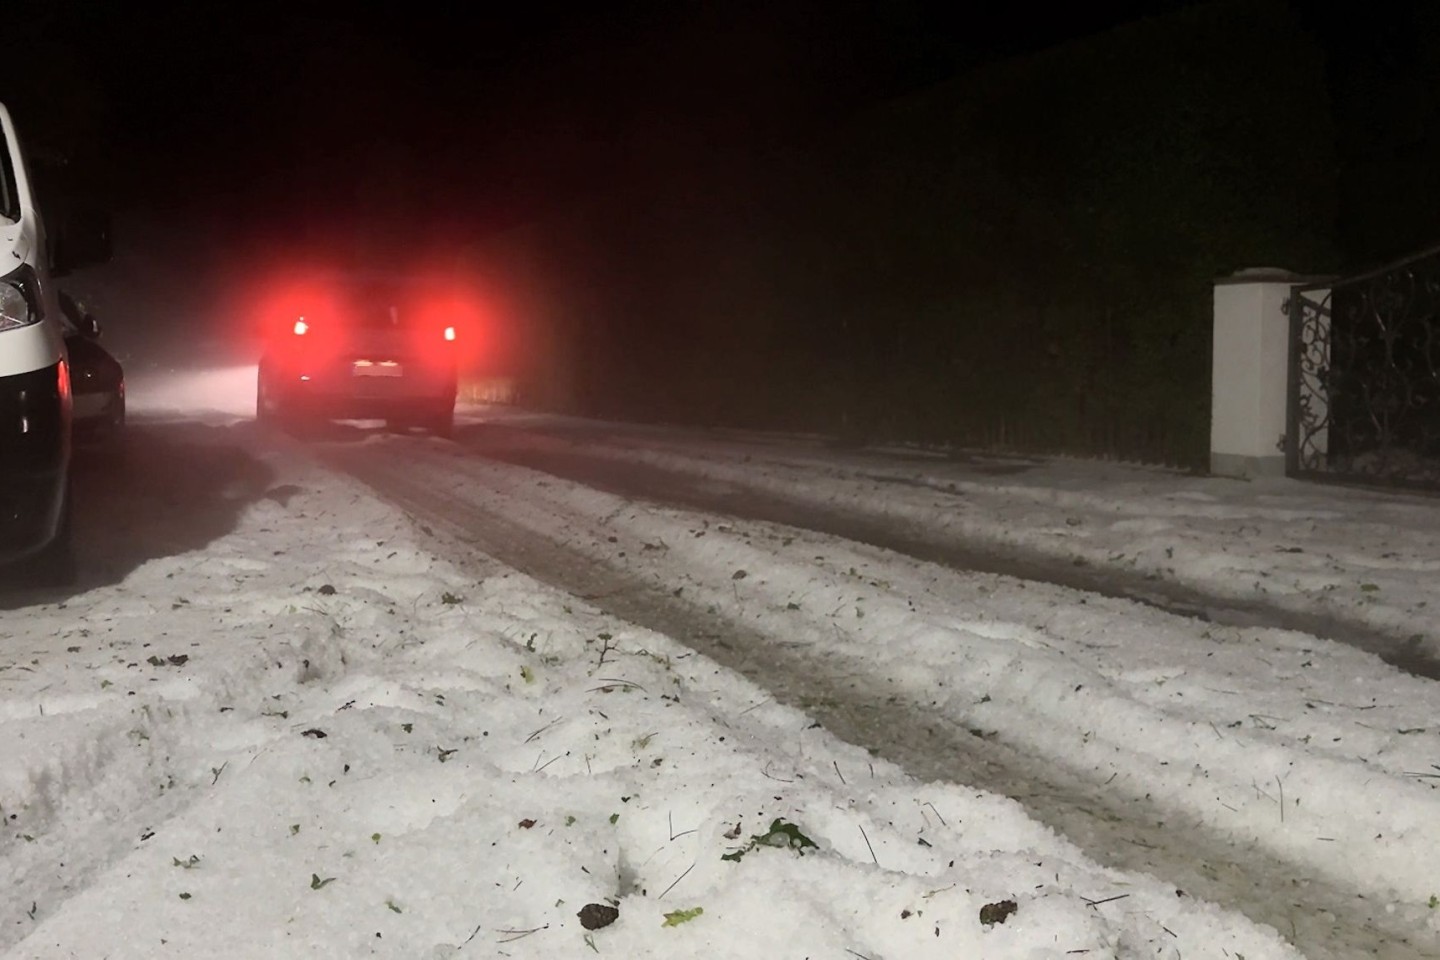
(1351, 564)
(487, 695)
(1158, 742)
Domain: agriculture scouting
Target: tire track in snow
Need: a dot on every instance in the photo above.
(683, 478)
(89, 786)
(92, 801)
(546, 529)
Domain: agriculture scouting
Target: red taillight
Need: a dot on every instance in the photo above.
(449, 333)
(301, 327)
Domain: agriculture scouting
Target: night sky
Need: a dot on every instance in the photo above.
(476, 118)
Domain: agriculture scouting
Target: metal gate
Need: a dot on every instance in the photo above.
(1364, 400)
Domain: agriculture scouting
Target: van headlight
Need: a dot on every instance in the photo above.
(14, 308)
(17, 307)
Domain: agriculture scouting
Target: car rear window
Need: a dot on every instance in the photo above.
(382, 305)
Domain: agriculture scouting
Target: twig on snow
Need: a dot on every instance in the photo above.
(543, 729)
(1096, 903)
(608, 682)
(867, 844)
(1261, 793)
(670, 818)
(766, 773)
(1433, 776)
(677, 880)
(550, 761)
(509, 935)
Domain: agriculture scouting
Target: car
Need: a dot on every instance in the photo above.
(97, 380)
(357, 346)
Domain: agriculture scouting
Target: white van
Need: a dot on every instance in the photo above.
(34, 384)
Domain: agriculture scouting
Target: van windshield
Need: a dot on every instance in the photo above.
(9, 193)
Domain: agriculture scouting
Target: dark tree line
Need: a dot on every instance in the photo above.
(1019, 257)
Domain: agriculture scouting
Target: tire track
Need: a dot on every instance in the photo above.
(600, 460)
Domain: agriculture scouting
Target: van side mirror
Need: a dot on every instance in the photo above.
(81, 319)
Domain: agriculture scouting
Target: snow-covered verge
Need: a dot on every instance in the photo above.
(310, 737)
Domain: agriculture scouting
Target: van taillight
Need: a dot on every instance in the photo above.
(449, 333)
(301, 327)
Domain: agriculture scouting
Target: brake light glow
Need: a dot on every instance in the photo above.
(301, 327)
(450, 333)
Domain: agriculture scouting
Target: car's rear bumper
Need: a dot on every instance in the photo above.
(367, 408)
(357, 397)
(34, 458)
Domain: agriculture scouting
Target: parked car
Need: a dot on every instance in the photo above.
(354, 347)
(97, 380)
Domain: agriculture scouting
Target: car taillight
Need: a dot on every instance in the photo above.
(301, 327)
(449, 333)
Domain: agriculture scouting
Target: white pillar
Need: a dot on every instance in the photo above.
(1249, 373)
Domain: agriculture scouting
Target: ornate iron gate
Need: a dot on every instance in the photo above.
(1364, 401)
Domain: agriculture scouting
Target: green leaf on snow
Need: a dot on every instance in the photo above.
(676, 917)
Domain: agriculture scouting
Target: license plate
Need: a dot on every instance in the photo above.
(372, 368)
